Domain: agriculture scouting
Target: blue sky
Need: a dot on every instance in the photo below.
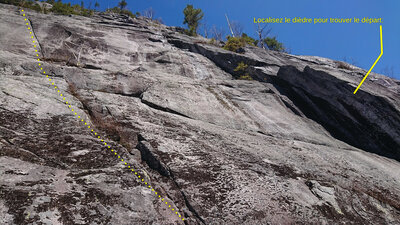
(359, 42)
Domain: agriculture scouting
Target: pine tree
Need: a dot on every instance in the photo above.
(274, 44)
(192, 18)
(122, 4)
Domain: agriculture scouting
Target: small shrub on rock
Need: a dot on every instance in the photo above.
(63, 8)
(245, 77)
(249, 40)
(117, 10)
(234, 44)
(242, 70)
(212, 41)
(343, 65)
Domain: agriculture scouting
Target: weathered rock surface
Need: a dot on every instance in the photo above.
(293, 146)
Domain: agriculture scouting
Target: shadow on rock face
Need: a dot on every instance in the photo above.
(364, 120)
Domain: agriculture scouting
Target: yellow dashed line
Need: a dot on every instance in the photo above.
(95, 133)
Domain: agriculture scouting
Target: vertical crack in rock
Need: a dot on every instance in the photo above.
(149, 155)
(40, 50)
(187, 203)
(261, 178)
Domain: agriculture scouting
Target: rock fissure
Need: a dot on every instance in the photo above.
(187, 202)
(247, 150)
(40, 49)
(161, 108)
(149, 155)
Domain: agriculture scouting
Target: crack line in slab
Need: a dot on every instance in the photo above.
(89, 127)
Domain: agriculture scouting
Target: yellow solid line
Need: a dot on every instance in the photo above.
(380, 28)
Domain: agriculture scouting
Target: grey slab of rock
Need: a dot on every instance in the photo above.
(292, 146)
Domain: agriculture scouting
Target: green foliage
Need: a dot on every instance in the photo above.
(212, 41)
(11, 2)
(192, 19)
(242, 70)
(256, 42)
(249, 40)
(30, 4)
(128, 13)
(234, 44)
(67, 9)
(119, 11)
(274, 44)
(33, 5)
(241, 67)
(245, 76)
(86, 12)
(58, 7)
(114, 10)
(122, 4)
(63, 8)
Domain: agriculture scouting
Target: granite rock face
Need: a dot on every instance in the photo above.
(292, 146)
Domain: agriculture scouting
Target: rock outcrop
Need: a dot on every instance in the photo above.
(292, 146)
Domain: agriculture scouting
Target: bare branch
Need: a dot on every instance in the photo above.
(388, 71)
(237, 28)
(229, 25)
(205, 28)
(149, 13)
(217, 33)
(262, 33)
(77, 58)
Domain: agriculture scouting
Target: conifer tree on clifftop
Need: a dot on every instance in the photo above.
(192, 19)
